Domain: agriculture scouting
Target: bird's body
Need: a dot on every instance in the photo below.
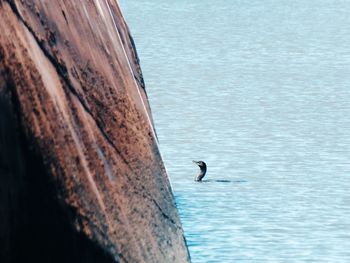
(203, 167)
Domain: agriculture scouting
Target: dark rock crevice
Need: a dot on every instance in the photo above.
(164, 214)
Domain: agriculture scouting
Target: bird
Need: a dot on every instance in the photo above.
(203, 166)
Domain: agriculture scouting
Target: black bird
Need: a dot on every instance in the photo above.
(202, 165)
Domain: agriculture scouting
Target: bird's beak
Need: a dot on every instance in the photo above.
(195, 162)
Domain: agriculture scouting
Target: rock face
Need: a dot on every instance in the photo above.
(81, 176)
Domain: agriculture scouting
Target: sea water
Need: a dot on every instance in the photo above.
(260, 91)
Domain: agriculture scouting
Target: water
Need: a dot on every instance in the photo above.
(260, 91)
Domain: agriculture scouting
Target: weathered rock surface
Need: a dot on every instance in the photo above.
(81, 177)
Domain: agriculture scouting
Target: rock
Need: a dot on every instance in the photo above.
(81, 176)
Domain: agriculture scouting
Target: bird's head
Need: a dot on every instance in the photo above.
(201, 164)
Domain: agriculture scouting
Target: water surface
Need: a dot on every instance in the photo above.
(260, 90)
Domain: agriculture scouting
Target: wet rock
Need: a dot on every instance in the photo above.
(81, 176)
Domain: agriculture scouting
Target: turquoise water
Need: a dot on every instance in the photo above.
(260, 90)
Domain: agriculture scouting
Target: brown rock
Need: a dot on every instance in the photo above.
(81, 176)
